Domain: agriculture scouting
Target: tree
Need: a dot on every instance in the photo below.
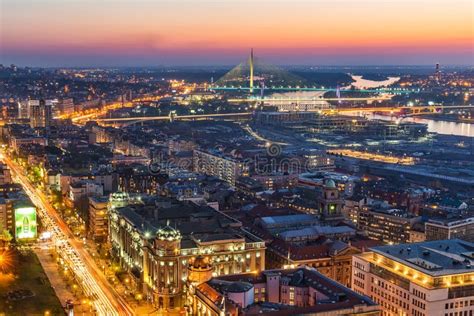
(5, 237)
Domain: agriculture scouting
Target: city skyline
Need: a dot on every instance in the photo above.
(237, 157)
(151, 33)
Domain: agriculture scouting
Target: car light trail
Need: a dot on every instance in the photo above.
(105, 299)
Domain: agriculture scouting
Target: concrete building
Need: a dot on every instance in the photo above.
(224, 167)
(17, 142)
(108, 180)
(450, 229)
(296, 240)
(79, 193)
(65, 106)
(381, 222)
(319, 162)
(420, 279)
(83, 189)
(277, 180)
(23, 110)
(5, 174)
(301, 291)
(98, 228)
(6, 215)
(179, 145)
(417, 232)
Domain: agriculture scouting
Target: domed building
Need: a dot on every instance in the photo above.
(199, 270)
(168, 239)
(164, 274)
(118, 199)
(330, 184)
(330, 202)
(167, 245)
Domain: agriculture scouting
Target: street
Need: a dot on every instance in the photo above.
(106, 300)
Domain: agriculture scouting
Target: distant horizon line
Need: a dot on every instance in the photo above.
(231, 66)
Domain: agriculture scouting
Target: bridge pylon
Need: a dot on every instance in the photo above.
(251, 70)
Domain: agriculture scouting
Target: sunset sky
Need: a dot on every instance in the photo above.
(204, 32)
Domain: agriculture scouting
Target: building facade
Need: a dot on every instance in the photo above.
(381, 222)
(450, 229)
(40, 113)
(301, 291)
(98, 228)
(223, 167)
(420, 279)
(155, 243)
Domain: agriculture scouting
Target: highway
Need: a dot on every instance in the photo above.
(93, 113)
(167, 118)
(249, 130)
(271, 101)
(105, 299)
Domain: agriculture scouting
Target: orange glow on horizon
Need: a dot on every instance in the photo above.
(144, 27)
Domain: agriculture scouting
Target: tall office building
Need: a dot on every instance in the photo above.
(40, 113)
(23, 109)
(419, 279)
(437, 72)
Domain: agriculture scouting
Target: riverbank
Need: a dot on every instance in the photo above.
(446, 118)
(361, 83)
(434, 126)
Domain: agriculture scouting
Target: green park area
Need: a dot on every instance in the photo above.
(24, 287)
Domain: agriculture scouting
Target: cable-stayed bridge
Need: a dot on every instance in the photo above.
(255, 76)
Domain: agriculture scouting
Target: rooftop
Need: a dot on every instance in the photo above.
(287, 219)
(435, 258)
(332, 295)
(195, 223)
(317, 231)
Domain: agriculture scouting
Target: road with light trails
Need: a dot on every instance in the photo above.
(391, 109)
(249, 130)
(106, 300)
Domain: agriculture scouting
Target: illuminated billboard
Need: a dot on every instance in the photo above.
(25, 222)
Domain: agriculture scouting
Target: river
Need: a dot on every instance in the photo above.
(361, 83)
(435, 126)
